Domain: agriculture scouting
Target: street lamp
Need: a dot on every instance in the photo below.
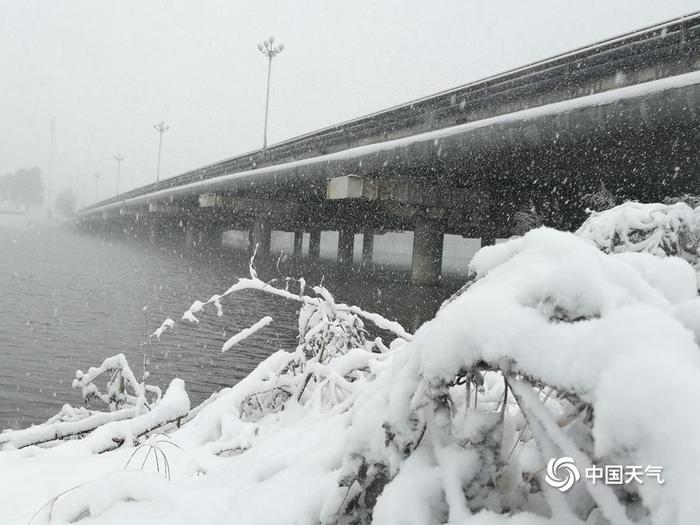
(270, 50)
(119, 160)
(52, 154)
(97, 176)
(161, 128)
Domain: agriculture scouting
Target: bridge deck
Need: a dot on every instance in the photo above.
(479, 133)
(659, 51)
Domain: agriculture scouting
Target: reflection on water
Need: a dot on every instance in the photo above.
(68, 300)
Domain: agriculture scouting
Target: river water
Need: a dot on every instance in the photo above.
(68, 300)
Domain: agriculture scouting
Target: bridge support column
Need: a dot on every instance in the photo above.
(314, 244)
(170, 230)
(153, 230)
(207, 238)
(298, 243)
(189, 235)
(367, 248)
(114, 228)
(346, 241)
(260, 235)
(488, 240)
(428, 237)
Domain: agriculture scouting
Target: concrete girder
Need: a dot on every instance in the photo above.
(477, 145)
(156, 207)
(275, 212)
(403, 191)
(165, 208)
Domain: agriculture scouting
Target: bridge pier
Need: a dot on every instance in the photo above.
(207, 238)
(189, 235)
(153, 230)
(298, 243)
(367, 248)
(260, 235)
(428, 236)
(488, 240)
(314, 244)
(346, 241)
(172, 229)
(137, 229)
(200, 235)
(112, 229)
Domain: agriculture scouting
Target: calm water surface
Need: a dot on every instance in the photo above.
(68, 300)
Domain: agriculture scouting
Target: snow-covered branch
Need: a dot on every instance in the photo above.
(254, 283)
(106, 430)
(123, 389)
(245, 333)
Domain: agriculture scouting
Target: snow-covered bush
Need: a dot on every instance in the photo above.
(573, 335)
(659, 229)
(104, 431)
(690, 199)
(122, 387)
(554, 349)
(600, 200)
(333, 356)
(126, 399)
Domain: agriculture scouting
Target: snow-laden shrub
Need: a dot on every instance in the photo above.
(332, 356)
(589, 347)
(602, 199)
(331, 362)
(690, 199)
(104, 431)
(134, 410)
(659, 229)
(122, 389)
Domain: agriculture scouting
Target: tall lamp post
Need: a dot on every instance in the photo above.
(119, 160)
(97, 176)
(270, 50)
(161, 128)
(52, 154)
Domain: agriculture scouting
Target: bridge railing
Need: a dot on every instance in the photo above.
(672, 44)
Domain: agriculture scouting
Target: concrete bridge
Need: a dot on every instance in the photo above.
(533, 142)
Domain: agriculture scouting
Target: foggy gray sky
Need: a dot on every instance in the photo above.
(108, 70)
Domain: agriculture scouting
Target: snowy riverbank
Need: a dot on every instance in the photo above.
(553, 349)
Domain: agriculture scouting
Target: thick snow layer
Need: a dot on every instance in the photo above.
(659, 229)
(548, 276)
(554, 348)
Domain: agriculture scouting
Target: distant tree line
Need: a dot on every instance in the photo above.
(24, 188)
(65, 203)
